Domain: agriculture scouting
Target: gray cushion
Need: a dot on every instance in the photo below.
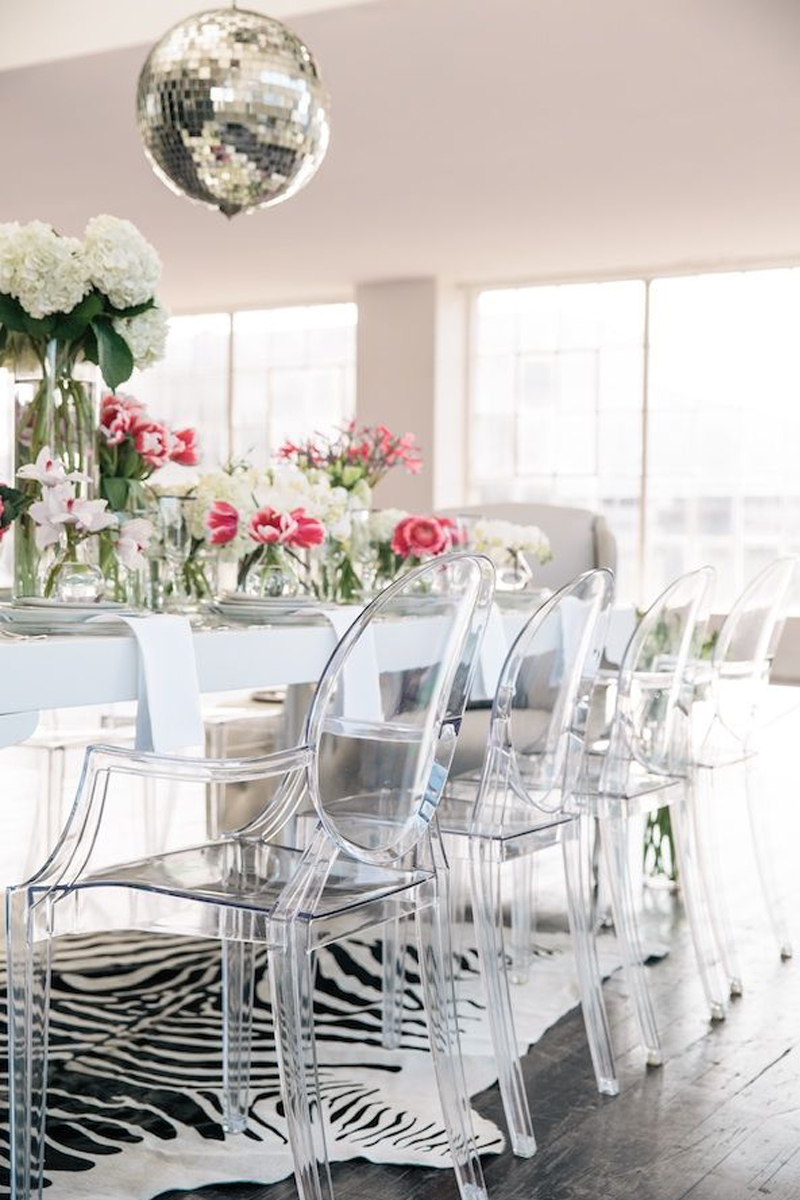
(580, 539)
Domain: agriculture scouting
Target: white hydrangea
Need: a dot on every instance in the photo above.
(46, 273)
(146, 335)
(383, 522)
(8, 255)
(120, 262)
(502, 540)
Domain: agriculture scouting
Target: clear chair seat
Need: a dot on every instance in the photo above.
(519, 820)
(251, 874)
(642, 791)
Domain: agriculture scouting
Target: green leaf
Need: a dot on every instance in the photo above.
(90, 346)
(72, 326)
(38, 327)
(133, 310)
(116, 360)
(115, 491)
(12, 314)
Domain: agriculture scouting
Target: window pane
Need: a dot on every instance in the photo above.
(190, 385)
(724, 396)
(293, 373)
(557, 402)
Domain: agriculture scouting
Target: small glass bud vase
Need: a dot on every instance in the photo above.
(271, 578)
(78, 583)
(514, 574)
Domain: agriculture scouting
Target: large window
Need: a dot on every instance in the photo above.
(294, 373)
(686, 443)
(249, 380)
(190, 385)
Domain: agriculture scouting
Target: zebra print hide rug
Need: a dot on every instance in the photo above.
(135, 1069)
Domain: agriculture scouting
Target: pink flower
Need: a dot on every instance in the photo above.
(185, 449)
(455, 536)
(417, 537)
(271, 528)
(3, 528)
(116, 419)
(309, 532)
(153, 442)
(222, 522)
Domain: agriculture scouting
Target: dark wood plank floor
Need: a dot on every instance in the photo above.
(719, 1121)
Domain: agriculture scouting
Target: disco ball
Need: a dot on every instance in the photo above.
(232, 111)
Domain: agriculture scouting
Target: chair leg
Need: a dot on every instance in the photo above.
(702, 801)
(759, 810)
(28, 955)
(615, 843)
(458, 884)
(394, 978)
(238, 986)
(695, 898)
(522, 916)
(577, 850)
(436, 971)
(488, 918)
(293, 1014)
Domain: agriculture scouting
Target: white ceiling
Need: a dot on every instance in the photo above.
(44, 30)
(472, 139)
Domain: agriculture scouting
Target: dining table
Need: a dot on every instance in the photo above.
(68, 671)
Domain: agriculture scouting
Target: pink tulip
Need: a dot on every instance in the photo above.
(309, 532)
(185, 449)
(153, 442)
(270, 528)
(222, 522)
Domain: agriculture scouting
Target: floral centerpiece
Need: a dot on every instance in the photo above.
(265, 521)
(510, 547)
(132, 446)
(64, 521)
(67, 305)
(354, 460)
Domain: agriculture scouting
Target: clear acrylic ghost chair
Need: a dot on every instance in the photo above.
(367, 748)
(643, 765)
(728, 723)
(519, 803)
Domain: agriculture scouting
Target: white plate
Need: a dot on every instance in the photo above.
(66, 605)
(267, 602)
(259, 614)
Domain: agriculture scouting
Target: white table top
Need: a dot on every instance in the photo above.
(72, 671)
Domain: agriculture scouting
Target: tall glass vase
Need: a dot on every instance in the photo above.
(55, 404)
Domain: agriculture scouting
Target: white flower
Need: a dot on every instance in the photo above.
(60, 506)
(502, 540)
(382, 523)
(8, 255)
(50, 471)
(120, 262)
(49, 273)
(134, 539)
(146, 335)
(91, 515)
